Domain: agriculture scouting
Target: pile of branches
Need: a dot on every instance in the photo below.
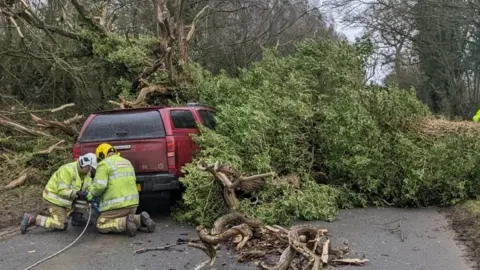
(30, 139)
(431, 127)
(271, 247)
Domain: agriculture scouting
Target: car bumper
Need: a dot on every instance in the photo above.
(157, 182)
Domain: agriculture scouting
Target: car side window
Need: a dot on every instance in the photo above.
(183, 119)
(208, 118)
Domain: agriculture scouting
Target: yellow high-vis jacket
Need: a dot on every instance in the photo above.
(115, 184)
(63, 185)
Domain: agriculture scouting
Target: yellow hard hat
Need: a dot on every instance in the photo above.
(103, 149)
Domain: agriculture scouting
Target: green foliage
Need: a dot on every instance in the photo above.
(311, 112)
(266, 121)
(119, 52)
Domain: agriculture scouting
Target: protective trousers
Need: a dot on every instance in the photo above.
(53, 218)
(116, 220)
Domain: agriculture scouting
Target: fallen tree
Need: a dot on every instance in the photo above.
(33, 153)
(301, 247)
(33, 144)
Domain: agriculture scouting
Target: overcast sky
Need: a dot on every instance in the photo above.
(350, 32)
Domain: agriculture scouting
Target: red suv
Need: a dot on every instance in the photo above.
(155, 139)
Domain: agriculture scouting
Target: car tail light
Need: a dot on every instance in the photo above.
(171, 153)
(76, 152)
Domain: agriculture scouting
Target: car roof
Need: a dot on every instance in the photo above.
(152, 108)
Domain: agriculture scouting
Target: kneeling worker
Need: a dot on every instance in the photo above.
(115, 185)
(63, 187)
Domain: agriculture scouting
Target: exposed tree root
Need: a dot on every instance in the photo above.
(271, 247)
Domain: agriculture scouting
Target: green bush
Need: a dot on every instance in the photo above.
(311, 112)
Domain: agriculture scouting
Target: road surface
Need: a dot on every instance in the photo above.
(427, 244)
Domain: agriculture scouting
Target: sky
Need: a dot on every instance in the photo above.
(350, 33)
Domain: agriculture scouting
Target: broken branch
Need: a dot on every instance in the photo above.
(141, 97)
(301, 247)
(143, 250)
(21, 128)
(192, 26)
(89, 19)
(49, 149)
(17, 182)
(12, 20)
(64, 106)
(64, 126)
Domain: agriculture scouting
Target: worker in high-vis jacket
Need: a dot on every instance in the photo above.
(476, 117)
(115, 186)
(66, 185)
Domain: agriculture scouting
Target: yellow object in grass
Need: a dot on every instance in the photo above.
(476, 118)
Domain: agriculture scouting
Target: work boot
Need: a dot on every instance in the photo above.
(131, 227)
(79, 220)
(146, 221)
(27, 221)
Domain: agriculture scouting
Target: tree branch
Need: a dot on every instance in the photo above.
(88, 18)
(192, 26)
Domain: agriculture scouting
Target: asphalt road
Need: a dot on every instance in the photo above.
(427, 244)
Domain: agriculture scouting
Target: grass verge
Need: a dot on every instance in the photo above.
(464, 219)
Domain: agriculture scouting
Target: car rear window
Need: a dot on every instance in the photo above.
(208, 118)
(183, 119)
(124, 126)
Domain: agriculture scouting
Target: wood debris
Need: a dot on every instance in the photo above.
(270, 247)
(17, 182)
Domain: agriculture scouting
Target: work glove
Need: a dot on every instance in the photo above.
(89, 196)
(83, 195)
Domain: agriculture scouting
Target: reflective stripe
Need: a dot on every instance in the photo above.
(62, 185)
(110, 164)
(118, 175)
(55, 197)
(101, 182)
(74, 170)
(118, 200)
(42, 221)
(67, 192)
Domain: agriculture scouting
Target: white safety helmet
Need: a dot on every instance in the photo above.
(88, 159)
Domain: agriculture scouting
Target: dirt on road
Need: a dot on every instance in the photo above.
(464, 219)
(16, 201)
